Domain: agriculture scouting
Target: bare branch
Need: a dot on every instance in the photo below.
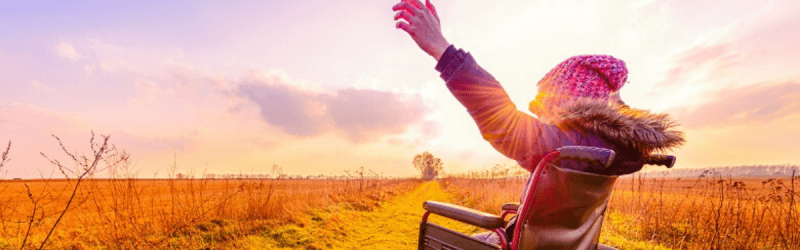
(4, 158)
(33, 215)
(99, 154)
(65, 149)
(92, 144)
(60, 167)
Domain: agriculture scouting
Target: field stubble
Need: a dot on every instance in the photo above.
(195, 213)
(653, 211)
(121, 211)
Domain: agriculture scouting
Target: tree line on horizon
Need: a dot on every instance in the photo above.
(785, 170)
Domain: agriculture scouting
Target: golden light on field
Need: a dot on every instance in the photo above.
(154, 214)
(657, 212)
(293, 124)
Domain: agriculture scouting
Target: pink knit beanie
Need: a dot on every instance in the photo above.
(584, 76)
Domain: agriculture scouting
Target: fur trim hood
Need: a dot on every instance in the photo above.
(639, 129)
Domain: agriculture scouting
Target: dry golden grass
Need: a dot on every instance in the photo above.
(394, 226)
(708, 212)
(712, 212)
(193, 213)
(181, 212)
(124, 212)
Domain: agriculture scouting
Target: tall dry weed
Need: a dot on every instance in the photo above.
(122, 211)
(706, 212)
(711, 211)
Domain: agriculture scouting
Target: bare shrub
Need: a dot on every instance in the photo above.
(102, 202)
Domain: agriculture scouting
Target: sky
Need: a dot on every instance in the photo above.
(320, 87)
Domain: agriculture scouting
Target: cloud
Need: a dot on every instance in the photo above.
(40, 86)
(89, 69)
(30, 129)
(366, 112)
(361, 113)
(66, 50)
(27, 121)
(714, 58)
(700, 70)
(183, 78)
(114, 59)
(751, 54)
(126, 140)
(117, 66)
(754, 103)
(431, 128)
(34, 124)
(759, 49)
(295, 111)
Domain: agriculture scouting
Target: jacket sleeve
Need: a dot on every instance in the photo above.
(513, 133)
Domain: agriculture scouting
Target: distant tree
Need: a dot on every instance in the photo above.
(428, 165)
(277, 171)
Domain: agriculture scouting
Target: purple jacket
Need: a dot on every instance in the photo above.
(633, 134)
(567, 206)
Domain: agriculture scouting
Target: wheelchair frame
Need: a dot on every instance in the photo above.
(435, 237)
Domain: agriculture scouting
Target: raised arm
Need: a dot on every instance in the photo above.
(513, 133)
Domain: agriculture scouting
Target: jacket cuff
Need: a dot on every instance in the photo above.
(446, 56)
(450, 61)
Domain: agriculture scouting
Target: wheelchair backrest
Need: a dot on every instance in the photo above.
(563, 208)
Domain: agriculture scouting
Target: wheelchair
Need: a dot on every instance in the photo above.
(560, 208)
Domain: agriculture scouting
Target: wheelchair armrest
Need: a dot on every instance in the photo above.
(463, 214)
(511, 206)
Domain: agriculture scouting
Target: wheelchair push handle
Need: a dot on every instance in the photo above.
(603, 156)
(661, 160)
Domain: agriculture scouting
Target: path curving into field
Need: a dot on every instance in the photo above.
(396, 226)
(393, 226)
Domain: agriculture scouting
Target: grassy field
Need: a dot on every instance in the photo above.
(709, 212)
(121, 211)
(265, 213)
(173, 213)
(360, 210)
(395, 225)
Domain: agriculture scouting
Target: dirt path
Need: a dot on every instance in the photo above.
(394, 226)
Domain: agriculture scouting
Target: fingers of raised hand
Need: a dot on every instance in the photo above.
(406, 27)
(424, 9)
(416, 3)
(406, 7)
(404, 15)
(431, 8)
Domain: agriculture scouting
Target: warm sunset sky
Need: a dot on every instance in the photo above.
(318, 87)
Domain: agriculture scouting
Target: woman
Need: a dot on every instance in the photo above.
(577, 104)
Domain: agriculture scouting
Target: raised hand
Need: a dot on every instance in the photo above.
(422, 24)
